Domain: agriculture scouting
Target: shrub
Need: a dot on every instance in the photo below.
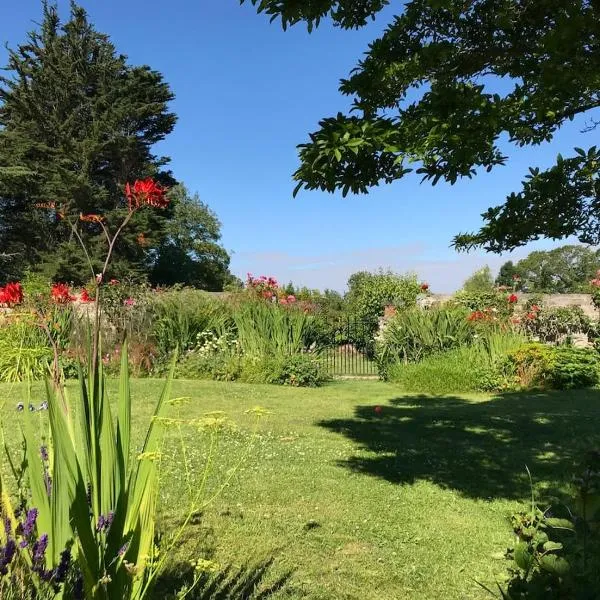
(267, 329)
(553, 367)
(215, 357)
(298, 370)
(369, 293)
(499, 304)
(553, 324)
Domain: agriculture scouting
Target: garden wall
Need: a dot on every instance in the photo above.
(550, 300)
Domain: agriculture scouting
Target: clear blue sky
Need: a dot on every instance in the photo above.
(246, 94)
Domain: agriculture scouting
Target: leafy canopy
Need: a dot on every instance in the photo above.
(448, 80)
(563, 270)
(480, 281)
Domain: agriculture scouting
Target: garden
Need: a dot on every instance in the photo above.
(171, 431)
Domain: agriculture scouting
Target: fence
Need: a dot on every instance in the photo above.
(349, 349)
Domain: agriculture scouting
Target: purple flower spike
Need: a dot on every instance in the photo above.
(39, 549)
(44, 453)
(61, 571)
(30, 521)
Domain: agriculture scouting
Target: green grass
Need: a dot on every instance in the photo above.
(409, 503)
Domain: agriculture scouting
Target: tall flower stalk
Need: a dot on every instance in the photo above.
(90, 504)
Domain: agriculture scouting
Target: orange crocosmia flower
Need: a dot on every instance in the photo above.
(91, 218)
(146, 191)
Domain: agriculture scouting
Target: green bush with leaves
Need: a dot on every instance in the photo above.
(557, 551)
(369, 293)
(536, 365)
(266, 329)
(482, 301)
(296, 370)
(555, 324)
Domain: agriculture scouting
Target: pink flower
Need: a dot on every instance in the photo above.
(291, 299)
(378, 410)
(129, 302)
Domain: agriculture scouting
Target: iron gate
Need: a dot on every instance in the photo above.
(349, 348)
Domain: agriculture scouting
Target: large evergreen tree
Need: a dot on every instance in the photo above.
(76, 123)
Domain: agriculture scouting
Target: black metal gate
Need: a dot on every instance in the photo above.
(350, 348)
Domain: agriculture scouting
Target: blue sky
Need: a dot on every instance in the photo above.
(246, 94)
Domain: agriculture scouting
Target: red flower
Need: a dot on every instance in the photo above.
(146, 191)
(61, 294)
(531, 316)
(85, 297)
(513, 299)
(535, 308)
(424, 287)
(11, 294)
(378, 410)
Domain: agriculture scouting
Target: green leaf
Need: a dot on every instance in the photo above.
(560, 523)
(552, 546)
(555, 564)
(523, 557)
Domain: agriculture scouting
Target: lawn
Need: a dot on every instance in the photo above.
(351, 503)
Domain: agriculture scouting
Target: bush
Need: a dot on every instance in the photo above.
(369, 293)
(297, 370)
(552, 367)
(553, 324)
(215, 357)
(492, 301)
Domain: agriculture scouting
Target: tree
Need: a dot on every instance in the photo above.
(564, 270)
(369, 293)
(190, 252)
(444, 83)
(508, 275)
(480, 281)
(76, 123)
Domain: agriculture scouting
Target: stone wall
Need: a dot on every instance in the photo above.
(550, 300)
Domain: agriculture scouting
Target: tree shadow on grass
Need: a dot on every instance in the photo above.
(251, 581)
(480, 449)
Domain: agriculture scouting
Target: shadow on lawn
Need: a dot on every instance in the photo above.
(247, 582)
(480, 449)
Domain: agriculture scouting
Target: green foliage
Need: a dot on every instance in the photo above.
(297, 370)
(480, 282)
(411, 335)
(190, 252)
(556, 324)
(73, 116)
(557, 552)
(180, 315)
(491, 301)
(564, 270)
(426, 92)
(554, 367)
(508, 275)
(267, 329)
(462, 369)
(215, 357)
(24, 350)
(369, 294)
